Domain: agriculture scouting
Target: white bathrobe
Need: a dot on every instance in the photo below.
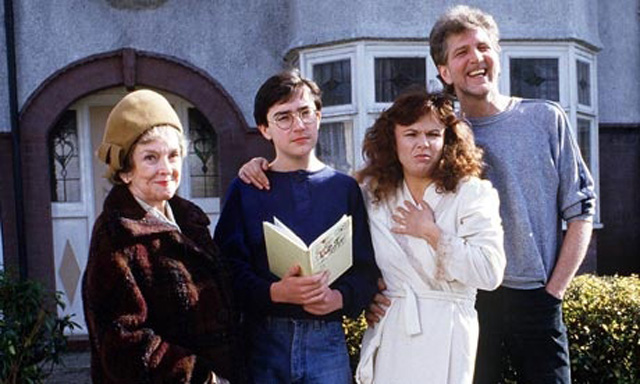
(430, 332)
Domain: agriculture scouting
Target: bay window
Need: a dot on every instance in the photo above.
(361, 78)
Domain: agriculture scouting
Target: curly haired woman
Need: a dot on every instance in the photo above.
(437, 235)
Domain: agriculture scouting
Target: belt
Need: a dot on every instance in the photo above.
(411, 308)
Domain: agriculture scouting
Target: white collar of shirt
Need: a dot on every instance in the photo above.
(168, 219)
(431, 195)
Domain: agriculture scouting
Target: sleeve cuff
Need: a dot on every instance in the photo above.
(444, 255)
(582, 210)
(345, 291)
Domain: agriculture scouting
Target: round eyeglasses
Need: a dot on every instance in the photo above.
(285, 120)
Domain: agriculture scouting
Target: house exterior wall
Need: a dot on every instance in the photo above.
(236, 45)
(545, 19)
(239, 45)
(619, 100)
(226, 40)
(619, 62)
(619, 239)
(5, 123)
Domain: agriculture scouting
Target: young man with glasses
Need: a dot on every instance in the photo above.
(294, 324)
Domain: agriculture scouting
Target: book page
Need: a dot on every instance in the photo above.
(333, 250)
(285, 231)
(283, 251)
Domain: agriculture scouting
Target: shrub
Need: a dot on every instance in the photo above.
(354, 330)
(32, 336)
(603, 321)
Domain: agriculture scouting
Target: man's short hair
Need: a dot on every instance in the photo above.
(457, 20)
(281, 88)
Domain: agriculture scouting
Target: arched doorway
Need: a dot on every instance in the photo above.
(124, 68)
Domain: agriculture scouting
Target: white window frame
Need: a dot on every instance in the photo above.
(363, 109)
(385, 51)
(536, 51)
(567, 54)
(81, 207)
(207, 204)
(350, 140)
(328, 55)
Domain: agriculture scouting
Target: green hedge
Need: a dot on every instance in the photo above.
(603, 319)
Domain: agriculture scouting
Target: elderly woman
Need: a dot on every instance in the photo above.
(156, 294)
(437, 236)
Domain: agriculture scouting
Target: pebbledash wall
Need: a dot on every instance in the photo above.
(619, 99)
(211, 56)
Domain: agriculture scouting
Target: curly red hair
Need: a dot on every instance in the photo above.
(382, 171)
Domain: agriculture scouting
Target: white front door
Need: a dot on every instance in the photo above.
(79, 187)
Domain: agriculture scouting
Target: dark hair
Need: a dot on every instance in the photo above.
(457, 20)
(281, 88)
(382, 173)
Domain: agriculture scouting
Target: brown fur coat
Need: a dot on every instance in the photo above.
(157, 302)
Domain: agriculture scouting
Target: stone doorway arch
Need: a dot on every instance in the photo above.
(132, 69)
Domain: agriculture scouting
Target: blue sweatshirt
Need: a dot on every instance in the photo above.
(535, 164)
(308, 203)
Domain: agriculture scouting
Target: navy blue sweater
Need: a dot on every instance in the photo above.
(308, 203)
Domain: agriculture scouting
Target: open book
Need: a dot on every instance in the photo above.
(331, 251)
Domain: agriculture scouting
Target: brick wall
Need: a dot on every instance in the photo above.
(619, 239)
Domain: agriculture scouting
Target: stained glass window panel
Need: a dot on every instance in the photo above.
(584, 82)
(584, 139)
(203, 156)
(64, 160)
(394, 75)
(335, 145)
(535, 78)
(334, 79)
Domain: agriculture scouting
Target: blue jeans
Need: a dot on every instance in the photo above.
(526, 326)
(286, 350)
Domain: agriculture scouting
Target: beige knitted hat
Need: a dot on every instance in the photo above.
(135, 114)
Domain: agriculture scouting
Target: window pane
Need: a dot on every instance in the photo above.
(394, 75)
(335, 145)
(64, 161)
(584, 83)
(203, 156)
(535, 78)
(584, 140)
(334, 79)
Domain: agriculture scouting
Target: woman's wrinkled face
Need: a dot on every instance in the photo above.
(156, 166)
(420, 146)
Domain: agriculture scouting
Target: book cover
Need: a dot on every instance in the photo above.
(331, 251)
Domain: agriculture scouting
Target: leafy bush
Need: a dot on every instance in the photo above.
(603, 321)
(354, 330)
(32, 336)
